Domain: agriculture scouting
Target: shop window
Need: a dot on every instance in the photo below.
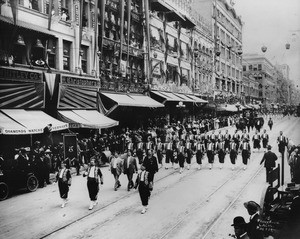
(66, 55)
(259, 67)
(250, 68)
(51, 51)
(84, 57)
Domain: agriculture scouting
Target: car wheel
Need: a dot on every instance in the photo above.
(4, 191)
(32, 183)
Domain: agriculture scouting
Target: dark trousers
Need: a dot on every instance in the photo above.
(144, 193)
(199, 156)
(130, 182)
(271, 126)
(267, 173)
(210, 156)
(93, 188)
(159, 156)
(181, 160)
(233, 156)
(189, 157)
(221, 155)
(169, 156)
(63, 189)
(116, 176)
(245, 156)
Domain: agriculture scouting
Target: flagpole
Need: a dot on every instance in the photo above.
(121, 31)
(128, 31)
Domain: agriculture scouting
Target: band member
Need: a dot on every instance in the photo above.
(169, 154)
(221, 152)
(227, 138)
(233, 152)
(189, 153)
(282, 143)
(116, 167)
(246, 152)
(256, 141)
(64, 179)
(220, 136)
(142, 182)
(149, 145)
(140, 151)
(200, 150)
(205, 139)
(265, 139)
(93, 174)
(130, 167)
(210, 153)
(236, 137)
(181, 152)
(213, 137)
(159, 151)
(130, 145)
(245, 135)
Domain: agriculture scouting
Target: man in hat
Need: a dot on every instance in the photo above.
(282, 143)
(130, 167)
(265, 139)
(116, 168)
(269, 158)
(252, 226)
(240, 226)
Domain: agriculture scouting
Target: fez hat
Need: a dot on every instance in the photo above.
(252, 206)
(238, 221)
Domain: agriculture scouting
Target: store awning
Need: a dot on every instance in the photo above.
(184, 97)
(28, 122)
(174, 15)
(197, 99)
(133, 100)
(160, 6)
(86, 119)
(227, 107)
(188, 23)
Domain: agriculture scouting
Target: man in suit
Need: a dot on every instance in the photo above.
(265, 139)
(116, 167)
(240, 227)
(151, 165)
(130, 167)
(282, 143)
(269, 158)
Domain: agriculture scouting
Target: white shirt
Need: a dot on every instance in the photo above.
(62, 173)
(92, 172)
(143, 176)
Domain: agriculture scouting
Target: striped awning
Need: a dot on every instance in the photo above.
(86, 119)
(20, 121)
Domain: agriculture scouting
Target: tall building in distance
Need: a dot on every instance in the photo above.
(227, 35)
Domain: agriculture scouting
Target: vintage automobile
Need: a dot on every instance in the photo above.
(15, 179)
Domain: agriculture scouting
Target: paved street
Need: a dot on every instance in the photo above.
(194, 204)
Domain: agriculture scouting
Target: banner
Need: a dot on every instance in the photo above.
(121, 30)
(80, 28)
(50, 80)
(128, 27)
(96, 35)
(14, 9)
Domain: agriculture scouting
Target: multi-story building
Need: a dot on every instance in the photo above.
(263, 71)
(227, 36)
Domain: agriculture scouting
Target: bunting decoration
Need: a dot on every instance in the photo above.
(96, 35)
(50, 80)
(14, 9)
(50, 14)
(121, 31)
(128, 29)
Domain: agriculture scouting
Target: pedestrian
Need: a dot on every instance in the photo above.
(94, 175)
(246, 152)
(252, 226)
(292, 160)
(64, 179)
(270, 123)
(142, 182)
(130, 167)
(48, 162)
(256, 141)
(296, 167)
(233, 152)
(265, 139)
(240, 228)
(116, 167)
(40, 168)
(270, 159)
(151, 166)
(282, 143)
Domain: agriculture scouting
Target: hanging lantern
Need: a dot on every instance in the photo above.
(287, 46)
(264, 49)
(20, 41)
(38, 44)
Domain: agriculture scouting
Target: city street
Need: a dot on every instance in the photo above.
(194, 204)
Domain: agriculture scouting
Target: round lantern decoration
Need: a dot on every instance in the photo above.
(287, 46)
(264, 49)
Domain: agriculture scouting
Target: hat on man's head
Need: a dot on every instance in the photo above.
(252, 206)
(48, 151)
(269, 147)
(239, 221)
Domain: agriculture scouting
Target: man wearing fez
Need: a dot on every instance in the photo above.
(269, 158)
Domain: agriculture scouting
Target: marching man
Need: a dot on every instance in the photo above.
(246, 152)
(200, 150)
(210, 153)
(233, 152)
(64, 182)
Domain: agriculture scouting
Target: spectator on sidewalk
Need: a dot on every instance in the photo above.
(252, 226)
(240, 227)
(116, 167)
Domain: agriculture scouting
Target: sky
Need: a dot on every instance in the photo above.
(272, 23)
